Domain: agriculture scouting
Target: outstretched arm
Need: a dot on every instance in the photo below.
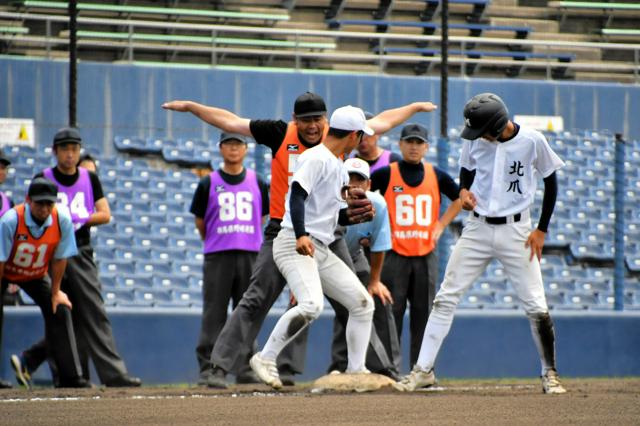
(217, 117)
(390, 118)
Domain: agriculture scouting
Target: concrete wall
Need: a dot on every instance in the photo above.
(158, 345)
(118, 99)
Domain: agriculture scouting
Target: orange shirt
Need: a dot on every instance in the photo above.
(283, 165)
(413, 212)
(30, 256)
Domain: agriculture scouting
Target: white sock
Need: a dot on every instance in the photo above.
(280, 336)
(438, 327)
(358, 333)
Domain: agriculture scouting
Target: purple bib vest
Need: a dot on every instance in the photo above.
(382, 161)
(76, 199)
(233, 219)
(6, 204)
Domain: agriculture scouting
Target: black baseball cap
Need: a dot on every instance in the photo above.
(308, 105)
(42, 189)
(224, 137)
(67, 135)
(415, 131)
(3, 159)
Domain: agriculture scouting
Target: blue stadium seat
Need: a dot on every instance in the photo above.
(131, 145)
(594, 285)
(476, 300)
(116, 267)
(195, 282)
(581, 300)
(560, 285)
(168, 254)
(187, 298)
(152, 218)
(118, 297)
(185, 241)
(133, 253)
(113, 240)
(555, 300)
(491, 284)
(168, 229)
(133, 228)
(187, 268)
(102, 252)
(152, 267)
(137, 281)
(152, 297)
(506, 300)
(150, 241)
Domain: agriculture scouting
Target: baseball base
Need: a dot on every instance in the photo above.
(351, 382)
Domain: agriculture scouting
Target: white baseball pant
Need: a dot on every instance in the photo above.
(308, 277)
(478, 245)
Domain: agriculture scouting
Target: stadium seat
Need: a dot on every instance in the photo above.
(125, 267)
(476, 300)
(137, 281)
(152, 297)
(152, 267)
(506, 300)
(118, 297)
(168, 254)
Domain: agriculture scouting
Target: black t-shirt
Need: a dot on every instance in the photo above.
(271, 133)
(413, 175)
(201, 196)
(83, 236)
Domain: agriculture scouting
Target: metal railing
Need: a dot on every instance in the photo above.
(298, 53)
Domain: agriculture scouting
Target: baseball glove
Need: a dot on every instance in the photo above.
(359, 207)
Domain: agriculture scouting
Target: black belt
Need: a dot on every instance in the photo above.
(499, 220)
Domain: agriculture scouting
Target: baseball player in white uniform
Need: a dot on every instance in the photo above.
(499, 164)
(314, 206)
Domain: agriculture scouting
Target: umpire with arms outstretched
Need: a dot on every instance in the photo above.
(80, 192)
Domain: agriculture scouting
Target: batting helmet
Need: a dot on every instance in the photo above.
(484, 113)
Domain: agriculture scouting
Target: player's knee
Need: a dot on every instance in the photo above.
(444, 306)
(311, 308)
(364, 308)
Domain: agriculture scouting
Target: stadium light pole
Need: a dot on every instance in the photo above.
(618, 236)
(73, 50)
(443, 140)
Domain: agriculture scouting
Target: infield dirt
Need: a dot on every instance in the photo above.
(589, 401)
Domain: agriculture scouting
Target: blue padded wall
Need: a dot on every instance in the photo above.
(116, 99)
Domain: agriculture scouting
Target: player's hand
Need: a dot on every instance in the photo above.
(292, 299)
(536, 242)
(304, 246)
(467, 199)
(181, 106)
(376, 288)
(59, 298)
(359, 207)
(365, 242)
(426, 106)
(437, 231)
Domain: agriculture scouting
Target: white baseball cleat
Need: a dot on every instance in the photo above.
(551, 382)
(362, 371)
(418, 378)
(266, 370)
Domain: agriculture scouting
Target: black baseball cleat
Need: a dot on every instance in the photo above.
(78, 382)
(247, 378)
(5, 385)
(216, 379)
(124, 382)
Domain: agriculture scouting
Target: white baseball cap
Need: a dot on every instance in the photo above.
(350, 118)
(356, 165)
